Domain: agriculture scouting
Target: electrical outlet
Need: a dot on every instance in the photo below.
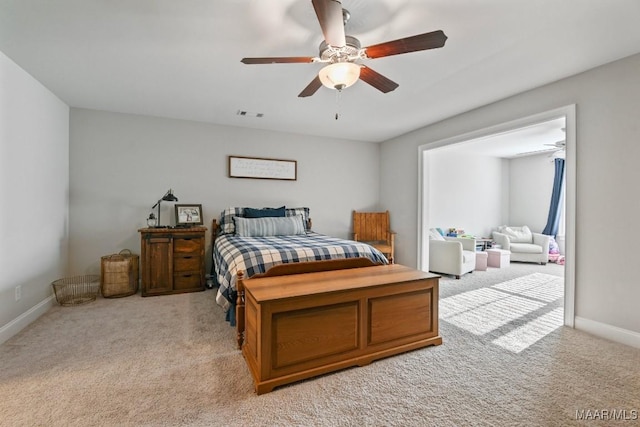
(18, 292)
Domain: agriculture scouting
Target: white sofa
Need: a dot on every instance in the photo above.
(524, 245)
(451, 255)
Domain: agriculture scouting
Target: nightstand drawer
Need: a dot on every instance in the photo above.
(187, 280)
(187, 263)
(184, 245)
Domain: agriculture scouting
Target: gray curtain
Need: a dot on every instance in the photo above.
(553, 220)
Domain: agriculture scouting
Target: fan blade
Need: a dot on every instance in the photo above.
(377, 80)
(432, 40)
(329, 13)
(278, 60)
(311, 88)
(559, 144)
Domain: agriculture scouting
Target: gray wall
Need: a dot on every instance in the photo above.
(121, 164)
(531, 185)
(466, 191)
(34, 183)
(607, 100)
(471, 192)
(479, 193)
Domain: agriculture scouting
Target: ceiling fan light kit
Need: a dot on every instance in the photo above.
(341, 52)
(339, 75)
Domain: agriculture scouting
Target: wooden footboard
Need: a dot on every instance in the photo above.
(288, 269)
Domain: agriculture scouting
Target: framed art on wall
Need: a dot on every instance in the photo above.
(261, 168)
(187, 215)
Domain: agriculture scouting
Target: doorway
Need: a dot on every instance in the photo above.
(424, 220)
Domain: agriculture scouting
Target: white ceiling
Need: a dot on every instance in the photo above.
(181, 59)
(546, 138)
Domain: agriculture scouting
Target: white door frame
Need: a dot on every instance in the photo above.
(569, 113)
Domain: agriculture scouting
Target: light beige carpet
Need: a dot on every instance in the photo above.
(172, 361)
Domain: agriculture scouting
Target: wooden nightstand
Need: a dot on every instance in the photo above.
(172, 260)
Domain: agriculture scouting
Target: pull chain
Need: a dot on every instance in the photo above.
(338, 99)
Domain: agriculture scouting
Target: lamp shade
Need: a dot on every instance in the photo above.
(169, 197)
(339, 75)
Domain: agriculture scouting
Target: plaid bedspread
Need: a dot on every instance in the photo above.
(255, 255)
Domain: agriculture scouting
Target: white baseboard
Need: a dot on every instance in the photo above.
(613, 333)
(21, 322)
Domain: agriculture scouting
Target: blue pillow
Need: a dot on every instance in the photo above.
(264, 213)
(269, 226)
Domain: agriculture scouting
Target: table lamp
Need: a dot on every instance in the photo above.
(168, 197)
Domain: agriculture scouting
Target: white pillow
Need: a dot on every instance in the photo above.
(518, 234)
(435, 234)
(269, 226)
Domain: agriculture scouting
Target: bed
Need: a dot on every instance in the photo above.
(245, 244)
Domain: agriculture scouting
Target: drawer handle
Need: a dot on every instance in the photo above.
(188, 257)
(186, 238)
(187, 275)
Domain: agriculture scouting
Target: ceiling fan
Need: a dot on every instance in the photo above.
(558, 147)
(558, 144)
(342, 52)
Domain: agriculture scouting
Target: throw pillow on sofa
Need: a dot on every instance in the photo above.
(518, 234)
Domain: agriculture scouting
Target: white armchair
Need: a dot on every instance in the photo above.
(524, 245)
(451, 255)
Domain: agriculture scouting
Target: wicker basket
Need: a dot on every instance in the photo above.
(76, 290)
(119, 274)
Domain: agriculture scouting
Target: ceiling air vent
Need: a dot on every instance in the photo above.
(249, 114)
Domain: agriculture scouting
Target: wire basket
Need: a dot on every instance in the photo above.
(76, 290)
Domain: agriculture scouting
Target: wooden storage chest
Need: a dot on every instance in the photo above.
(303, 325)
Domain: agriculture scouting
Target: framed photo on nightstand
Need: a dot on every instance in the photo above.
(188, 215)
